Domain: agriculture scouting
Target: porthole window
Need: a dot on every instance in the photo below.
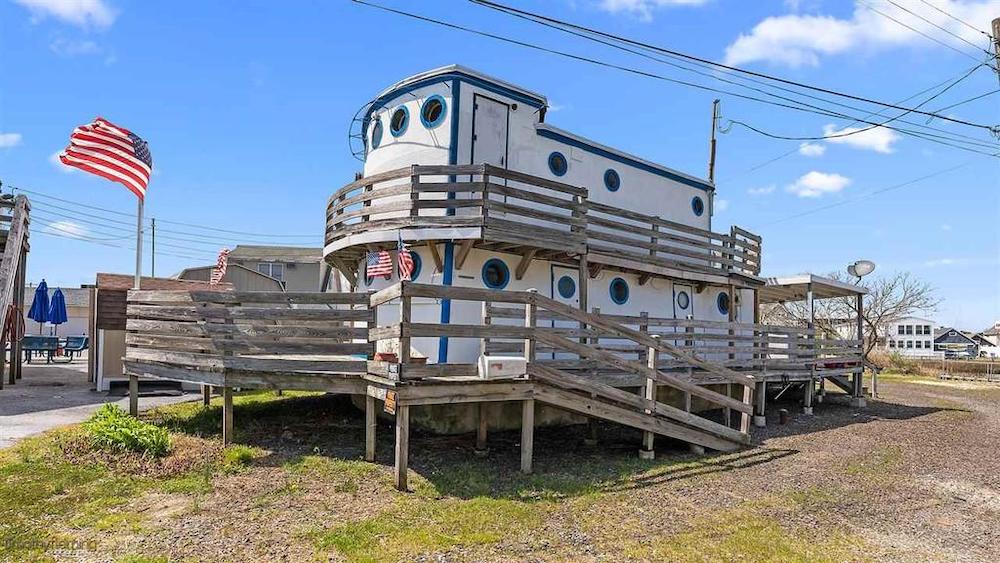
(376, 134)
(496, 275)
(399, 120)
(557, 163)
(566, 287)
(611, 180)
(698, 206)
(723, 303)
(619, 291)
(417, 263)
(683, 300)
(432, 112)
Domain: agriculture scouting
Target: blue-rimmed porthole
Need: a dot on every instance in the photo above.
(417, 263)
(496, 274)
(566, 286)
(698, 205)
(722, 301)
(618, 291)
(432, 112)
(683, 300)
(611, 180)
(376, 133)
(557, 163)
(399, 121)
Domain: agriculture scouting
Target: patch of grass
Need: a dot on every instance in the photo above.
(416, 526)
(237, 457)
(346, 474)
(112, 428)
(877, 464)
(196, 419)
(143, 559)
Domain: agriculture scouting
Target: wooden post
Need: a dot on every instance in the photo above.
(760, 419)
(15, 346)
(857, 398)
(370, 421)
(481, 428)
(133, 395)
(402, 445)
(527, 434)
(404, 325)
(813, 352)
(206, 395)
(649, 394)
(530, 321)
(227, 415)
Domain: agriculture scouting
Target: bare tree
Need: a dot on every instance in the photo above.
(889, 299)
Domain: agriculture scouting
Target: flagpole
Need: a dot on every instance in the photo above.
(138, 245)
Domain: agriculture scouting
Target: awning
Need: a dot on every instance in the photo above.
(794, 288)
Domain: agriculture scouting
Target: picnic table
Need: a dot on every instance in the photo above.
(50, 346)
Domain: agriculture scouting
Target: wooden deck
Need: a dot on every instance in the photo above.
(508, 211)
(620, 369)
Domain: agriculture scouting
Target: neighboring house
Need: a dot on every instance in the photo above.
(242, 278)
(992, 334)
(911, 336)
(77, 313)
(297, 268)
(956, 344)
(987, 349)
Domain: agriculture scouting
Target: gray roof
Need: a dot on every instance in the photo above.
(296, 254)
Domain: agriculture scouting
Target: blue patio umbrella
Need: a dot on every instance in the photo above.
(57, 309)
(39, 311)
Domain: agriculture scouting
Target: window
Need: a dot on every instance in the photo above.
(273, 269)
(611, 180)
(919, 344)
(698, 206)
(927, 330)
(417, 263)
(618, 291)
(909, 344)
(722, 301)
(432, 112)
(919, 330)
(376, 133)
(901, 329)
(566, 287)
(683, 300)
(558, 164)
(892, 343)
(496, 274)
(400, 119)
(909, 329)
(952, 333)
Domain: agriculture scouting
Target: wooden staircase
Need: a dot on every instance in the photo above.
(14, 224)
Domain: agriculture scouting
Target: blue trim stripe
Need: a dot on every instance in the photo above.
(449, 268)
(625, 160)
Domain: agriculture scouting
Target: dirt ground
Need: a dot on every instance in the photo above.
(915, 476)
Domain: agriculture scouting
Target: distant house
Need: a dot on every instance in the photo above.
(911, 336)
(956, 344)
(992, 334)
(269, 268)
(987, 348)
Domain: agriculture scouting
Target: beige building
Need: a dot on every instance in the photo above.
(77, 313)
(269, 268)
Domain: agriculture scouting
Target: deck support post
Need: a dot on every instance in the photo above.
(402, 445)
(370, 419)
(759, 417)
(857, 397)
(527, 434)
(227, 415)
(649, 394)
(809, 389)
(206, 395)
(591, 439)
(810, 386)
(482, 429)
(133, 395)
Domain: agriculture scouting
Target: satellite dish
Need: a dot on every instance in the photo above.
(861, 268)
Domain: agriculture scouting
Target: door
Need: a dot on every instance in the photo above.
(565, 288)
(490, 120)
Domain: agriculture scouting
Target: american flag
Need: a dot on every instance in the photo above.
(378, 263)
(112, 152)
(405, 261)
(219, 271)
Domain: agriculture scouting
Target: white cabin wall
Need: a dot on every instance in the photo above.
(417, 144)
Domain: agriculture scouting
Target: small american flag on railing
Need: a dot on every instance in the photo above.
(378, 263)
(405, 260)
(219, 271)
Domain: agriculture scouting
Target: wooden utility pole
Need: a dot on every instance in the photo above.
(711, 145)
(996, 45)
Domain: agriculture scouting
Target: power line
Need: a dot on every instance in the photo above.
(959, 20)
(972, 99)
(948, 31)
(510, 11)
(917, 31)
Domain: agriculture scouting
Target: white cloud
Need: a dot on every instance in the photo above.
(764, 190)
(816, 184)
(878, 139)
(946, 227)
(82, 13)
(54, 161)
(66, 229)
(721, 204)
(960, 261)
(8, 140)
(811, 149)
(796, 40)
(70, 48)
(643, 9)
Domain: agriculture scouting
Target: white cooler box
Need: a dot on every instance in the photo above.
(501, 367)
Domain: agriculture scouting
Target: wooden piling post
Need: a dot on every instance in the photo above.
(759, 418)
(527, 434)
(206, 395)
(133, 395)
(482, 428)
(649, 394)
(402, 445)
(227, 415)
(370, 421)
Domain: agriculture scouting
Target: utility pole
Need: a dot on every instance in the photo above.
(711, 147)
(996, 45)
(153, 253)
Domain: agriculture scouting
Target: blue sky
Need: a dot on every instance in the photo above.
(247, 105)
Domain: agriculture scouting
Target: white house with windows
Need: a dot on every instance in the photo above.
(912, 337)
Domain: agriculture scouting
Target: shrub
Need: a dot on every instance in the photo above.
(112, 428)
(237, 457)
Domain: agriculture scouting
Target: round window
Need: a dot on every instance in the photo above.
(611, 180)
(557, 163)
(698, 206)
(683, 300)
(417, 263)
(723, 302)
(619, 291)
(566, 287)
(432, 112)
(399, 120)
(496, 275)
(377, 134)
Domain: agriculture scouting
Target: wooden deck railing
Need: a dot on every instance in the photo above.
(513, 208)
(14, 227)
